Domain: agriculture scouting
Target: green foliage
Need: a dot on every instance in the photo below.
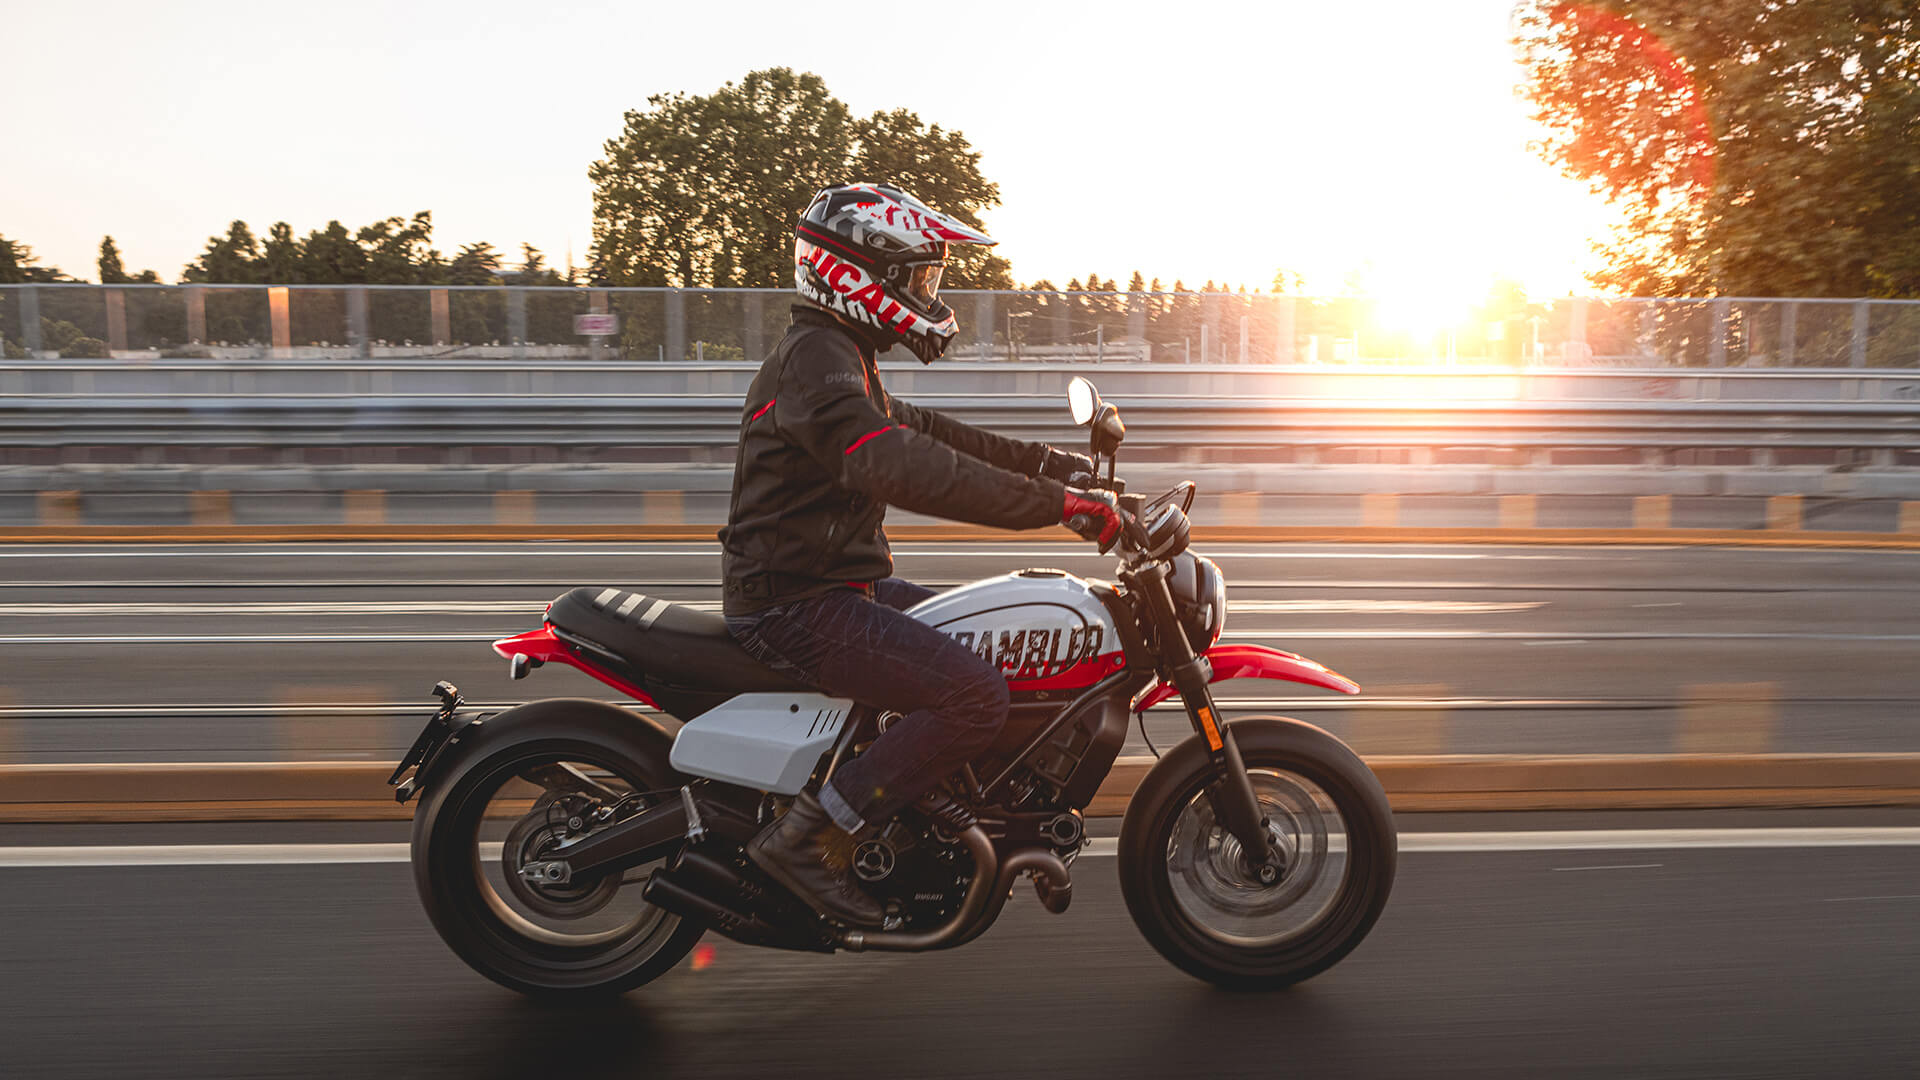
(703, 191)
(85, 347)
(112, 272)
(57, 334)
(1755, 147)
(17, 266)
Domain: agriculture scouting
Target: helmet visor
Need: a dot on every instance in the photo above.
(923, 284)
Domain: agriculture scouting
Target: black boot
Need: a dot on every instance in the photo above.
(811, 856)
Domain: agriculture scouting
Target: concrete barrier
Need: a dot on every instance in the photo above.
(357, 791)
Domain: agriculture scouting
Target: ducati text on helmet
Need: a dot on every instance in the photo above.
(873, 254)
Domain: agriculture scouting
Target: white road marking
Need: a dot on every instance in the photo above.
(1615, 866)
(1862, 899)
(1379, 607)
(1102, 847)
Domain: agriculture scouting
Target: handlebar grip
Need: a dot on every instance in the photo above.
(1081, 524)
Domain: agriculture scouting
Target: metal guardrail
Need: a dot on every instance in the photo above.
(711, 421)
(158, 321)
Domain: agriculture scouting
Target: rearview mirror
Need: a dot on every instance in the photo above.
(1083, 399)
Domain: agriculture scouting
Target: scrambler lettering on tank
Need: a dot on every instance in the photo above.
(1033, 652)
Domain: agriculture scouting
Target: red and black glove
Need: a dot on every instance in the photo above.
(1095, 515)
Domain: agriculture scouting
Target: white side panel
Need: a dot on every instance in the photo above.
(766, 741)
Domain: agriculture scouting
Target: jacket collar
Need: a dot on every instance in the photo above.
(809, 315)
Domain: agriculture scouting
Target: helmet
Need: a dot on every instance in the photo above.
(873, 255)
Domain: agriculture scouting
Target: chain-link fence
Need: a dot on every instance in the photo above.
(720, 325)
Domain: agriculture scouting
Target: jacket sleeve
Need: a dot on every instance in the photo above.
(1022, 457)
(823, 408)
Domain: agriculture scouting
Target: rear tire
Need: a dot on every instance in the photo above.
(484, 925)
(1197, 904)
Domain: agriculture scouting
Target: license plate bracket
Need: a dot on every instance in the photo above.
(444, 729)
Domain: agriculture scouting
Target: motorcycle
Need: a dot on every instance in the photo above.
(572, 847)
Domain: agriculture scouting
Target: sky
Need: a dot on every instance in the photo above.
(1373, 143)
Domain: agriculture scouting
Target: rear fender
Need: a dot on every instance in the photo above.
(543, 646)
(1256, 662)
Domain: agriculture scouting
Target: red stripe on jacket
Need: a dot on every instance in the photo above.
(861, 441)
(762, 412)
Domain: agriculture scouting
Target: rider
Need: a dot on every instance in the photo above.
(824, 450)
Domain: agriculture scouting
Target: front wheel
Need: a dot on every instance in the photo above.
(1202, 906)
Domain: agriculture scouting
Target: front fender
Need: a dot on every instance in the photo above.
(1256, 662)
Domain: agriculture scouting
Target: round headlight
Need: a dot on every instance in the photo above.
(1200, 596)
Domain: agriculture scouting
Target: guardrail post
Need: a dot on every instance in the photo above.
(1244, 325)
(1859, 357)
(280, 317)
(116, 320)
(755, 335)
(196, 314)
(983, 322)
(442, 318)
(517, 321)
(1203, 343)
(357, 334)
(676, 324)
(1137, 320)
(596, 344)
(1789, 331)
(1283, 352)
(1717, 343)
(30, 318)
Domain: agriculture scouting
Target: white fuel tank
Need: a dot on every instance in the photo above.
(1045, 629)
(766, 741)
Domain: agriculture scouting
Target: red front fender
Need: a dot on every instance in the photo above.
(1257, 662)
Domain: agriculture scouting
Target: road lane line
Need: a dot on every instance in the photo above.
(1615, 866)
(1102, 847)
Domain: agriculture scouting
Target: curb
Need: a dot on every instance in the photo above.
(271, 534)
(357, 791)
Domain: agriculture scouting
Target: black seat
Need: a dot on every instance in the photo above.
(683, 657)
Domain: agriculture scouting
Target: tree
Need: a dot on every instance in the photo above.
(1754, 147)
(475, 264)
(228, 259)
(17, 266)
(280, 257)
(704, 190)
(112, 272)
(330, 256)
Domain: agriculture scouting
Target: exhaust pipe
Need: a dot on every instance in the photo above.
(986, 895)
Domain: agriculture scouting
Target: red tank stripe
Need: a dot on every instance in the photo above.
(857, 443)
(762, 412)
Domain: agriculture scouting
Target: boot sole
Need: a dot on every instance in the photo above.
(806, 896)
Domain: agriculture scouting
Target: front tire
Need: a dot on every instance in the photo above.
(1201, 907)
(513, 778)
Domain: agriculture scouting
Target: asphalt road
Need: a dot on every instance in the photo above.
(1762, 962)
(247, 652)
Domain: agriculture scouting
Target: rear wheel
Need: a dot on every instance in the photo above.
(1199, 902)
(529, 783)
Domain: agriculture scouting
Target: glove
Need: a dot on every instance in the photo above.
(1064, 465)
(1095, 515)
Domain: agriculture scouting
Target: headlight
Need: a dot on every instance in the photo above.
(1200, 596)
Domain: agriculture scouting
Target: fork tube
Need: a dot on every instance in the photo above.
(1233, 799)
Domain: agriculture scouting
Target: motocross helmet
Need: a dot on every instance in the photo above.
(873, 255)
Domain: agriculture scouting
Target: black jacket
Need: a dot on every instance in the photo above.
(824, 450)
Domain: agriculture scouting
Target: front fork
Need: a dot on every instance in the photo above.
(1232, 796)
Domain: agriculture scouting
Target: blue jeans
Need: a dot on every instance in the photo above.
(952, 702)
